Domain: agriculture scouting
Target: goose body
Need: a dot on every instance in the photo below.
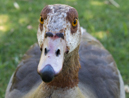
(88, 69)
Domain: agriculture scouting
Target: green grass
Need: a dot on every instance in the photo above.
(104, 21)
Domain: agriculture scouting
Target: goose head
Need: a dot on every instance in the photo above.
(58, 35)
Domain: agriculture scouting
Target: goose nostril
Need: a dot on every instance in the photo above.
(58, 52)
(40, 49)
(46, 51)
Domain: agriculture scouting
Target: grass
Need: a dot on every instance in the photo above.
(104, 21)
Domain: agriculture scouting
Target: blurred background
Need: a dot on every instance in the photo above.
(106, 20)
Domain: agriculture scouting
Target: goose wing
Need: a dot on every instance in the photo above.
(98, 70)
(25, 77)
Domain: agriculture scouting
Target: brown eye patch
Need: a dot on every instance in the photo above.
(72, 16)
(43, 15)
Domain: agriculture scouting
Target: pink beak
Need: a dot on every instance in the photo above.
(52, 57)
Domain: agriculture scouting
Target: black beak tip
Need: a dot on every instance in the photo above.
(47, 74)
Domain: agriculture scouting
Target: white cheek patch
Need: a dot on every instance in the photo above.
(41, 34)
(39, 37)
(72, 40)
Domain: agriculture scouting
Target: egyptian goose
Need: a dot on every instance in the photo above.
(71, 63)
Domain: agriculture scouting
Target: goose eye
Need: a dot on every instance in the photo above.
(75, 22)
(41, 20)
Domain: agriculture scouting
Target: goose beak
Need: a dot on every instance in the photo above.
(52, 57)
